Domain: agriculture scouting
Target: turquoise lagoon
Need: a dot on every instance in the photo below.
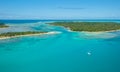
(63, 52)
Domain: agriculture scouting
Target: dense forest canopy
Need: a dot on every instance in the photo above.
(89, 26)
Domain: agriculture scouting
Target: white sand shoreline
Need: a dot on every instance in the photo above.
(54, 32)
(95, 32)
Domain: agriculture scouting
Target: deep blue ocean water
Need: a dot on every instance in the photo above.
(64, 52)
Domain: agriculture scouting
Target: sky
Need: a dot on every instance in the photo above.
(59, 9)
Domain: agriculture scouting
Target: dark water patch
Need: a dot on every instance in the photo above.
(8, 49)
(19, 21)
(115, 39)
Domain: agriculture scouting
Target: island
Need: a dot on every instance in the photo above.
(3, 25)
(9, 34)
(19, 34)
(89, 26)
(27, 33)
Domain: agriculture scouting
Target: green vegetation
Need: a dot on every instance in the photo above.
(89, 26)
(2, 25)
(12, 34)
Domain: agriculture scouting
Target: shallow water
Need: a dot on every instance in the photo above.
(64, 52)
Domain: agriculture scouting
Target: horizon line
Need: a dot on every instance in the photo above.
(63, 19)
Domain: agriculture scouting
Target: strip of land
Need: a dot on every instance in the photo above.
(19, 34)
(89, 26)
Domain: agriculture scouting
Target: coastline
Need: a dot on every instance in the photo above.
(92, 27)
(96, 32)
(53, 32)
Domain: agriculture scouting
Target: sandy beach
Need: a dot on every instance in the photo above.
(53, 32)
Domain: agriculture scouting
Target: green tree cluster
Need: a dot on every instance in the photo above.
(89, 26)
(11, 34)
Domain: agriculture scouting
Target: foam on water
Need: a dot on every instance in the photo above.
(103, 35)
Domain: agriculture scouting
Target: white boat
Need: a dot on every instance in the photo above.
(89, 53)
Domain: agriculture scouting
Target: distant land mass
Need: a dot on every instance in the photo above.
(89, 26)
